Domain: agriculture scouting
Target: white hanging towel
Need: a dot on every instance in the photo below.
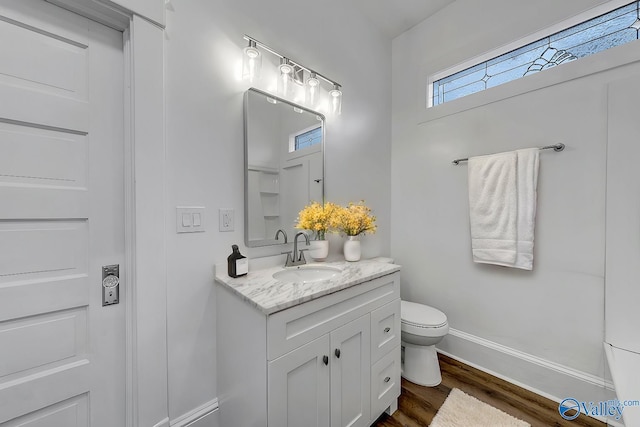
(502, 207)
(528, 162)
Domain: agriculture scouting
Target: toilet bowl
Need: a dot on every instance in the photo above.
(422, 327)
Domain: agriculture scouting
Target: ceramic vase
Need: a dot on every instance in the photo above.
(352, 251)
(319, 250)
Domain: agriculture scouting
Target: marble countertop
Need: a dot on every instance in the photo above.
(269, 295)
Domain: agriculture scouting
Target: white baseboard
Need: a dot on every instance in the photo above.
(196, 417)
(540, 376)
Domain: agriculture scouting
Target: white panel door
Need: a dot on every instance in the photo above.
(300, 184)
(294, 193)
(316, 177)
(62, 355)
(351, 374)
(298, 387)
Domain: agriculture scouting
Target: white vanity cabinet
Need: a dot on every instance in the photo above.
(332, 361)
(325, 382)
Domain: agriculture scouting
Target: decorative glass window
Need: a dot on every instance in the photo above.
(603, 32)
(308, 138)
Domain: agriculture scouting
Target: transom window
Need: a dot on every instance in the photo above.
(603, 32)
(308, 138)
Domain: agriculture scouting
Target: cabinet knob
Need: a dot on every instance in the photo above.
(325, 359)
(337, 353)
(386, 330)
(387, 379)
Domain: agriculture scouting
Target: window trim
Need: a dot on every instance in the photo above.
(293, 153)
(604, 61)
(295, 135)
(533, 37)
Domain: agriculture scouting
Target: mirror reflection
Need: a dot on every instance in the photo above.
(284, 165)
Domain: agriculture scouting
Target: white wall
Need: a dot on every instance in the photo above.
(204, 156)
(509, 321)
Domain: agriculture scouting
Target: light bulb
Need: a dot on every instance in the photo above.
(285, 67)
(251, 62)
(312, 90)
(284, 78)
(335, 96)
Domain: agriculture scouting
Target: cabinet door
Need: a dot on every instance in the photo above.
(298, 386)
(351, 374)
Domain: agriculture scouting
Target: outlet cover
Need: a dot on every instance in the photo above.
(227, 220)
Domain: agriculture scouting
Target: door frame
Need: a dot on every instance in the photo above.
(144, 193)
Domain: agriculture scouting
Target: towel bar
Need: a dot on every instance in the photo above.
(556, 147)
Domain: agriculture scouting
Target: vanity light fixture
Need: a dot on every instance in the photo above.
(290, 72)
(286, 67)
(251, 62)
(285, 78)
(312, 90)
(336, 99)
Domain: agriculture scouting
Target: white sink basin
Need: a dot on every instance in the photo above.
(307, 274)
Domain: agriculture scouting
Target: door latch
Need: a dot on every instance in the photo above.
(110, 284)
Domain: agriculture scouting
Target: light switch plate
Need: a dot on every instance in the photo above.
(189, 219)
(227, 220)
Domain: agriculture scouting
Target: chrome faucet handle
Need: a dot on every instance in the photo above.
(301, 259)
(289, 262)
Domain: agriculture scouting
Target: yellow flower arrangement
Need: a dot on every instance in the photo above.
(355, 219)
(317, 218)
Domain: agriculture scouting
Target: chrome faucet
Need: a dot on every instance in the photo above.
(298, 257)
(283, 233)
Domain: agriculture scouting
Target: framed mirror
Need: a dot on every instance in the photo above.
(284, 165)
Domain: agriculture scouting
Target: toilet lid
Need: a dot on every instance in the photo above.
(421, 315)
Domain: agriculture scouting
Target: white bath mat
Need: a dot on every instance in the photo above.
(462, 410)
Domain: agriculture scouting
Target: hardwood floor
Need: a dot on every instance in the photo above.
(418, 405)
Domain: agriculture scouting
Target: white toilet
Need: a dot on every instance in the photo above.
(422, 327)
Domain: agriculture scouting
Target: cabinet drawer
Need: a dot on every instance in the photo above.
(296, 326)
(385, 381)
(385, 329)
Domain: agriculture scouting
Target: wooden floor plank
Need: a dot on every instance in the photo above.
(418, 405)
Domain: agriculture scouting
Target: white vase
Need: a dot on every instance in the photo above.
(352, 251)
(319, 250)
